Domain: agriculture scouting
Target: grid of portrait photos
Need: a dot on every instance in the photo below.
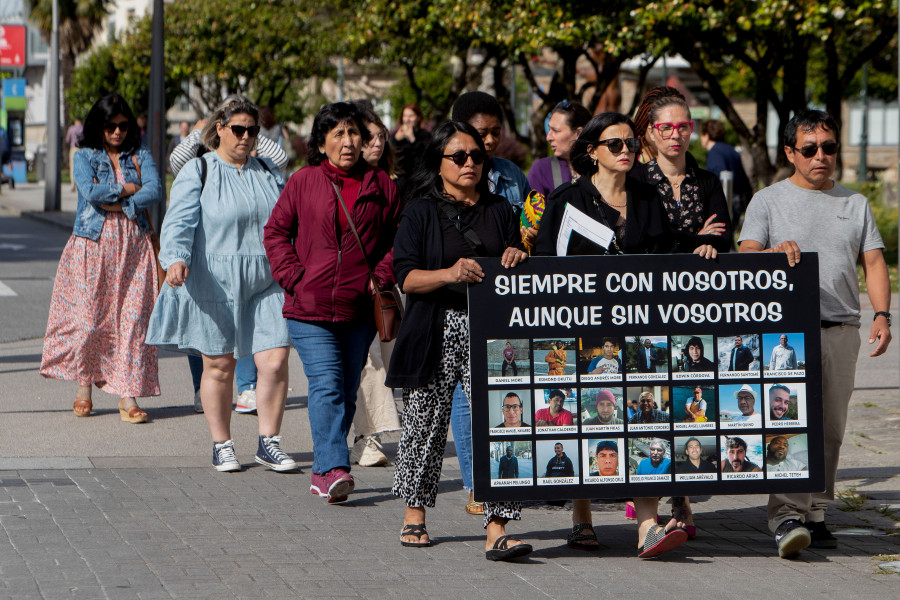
(647, 409)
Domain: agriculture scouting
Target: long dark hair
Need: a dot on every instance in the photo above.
(426, 182)
(386, 162)
(329, 117)
(101, 112)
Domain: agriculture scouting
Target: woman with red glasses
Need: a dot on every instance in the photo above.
(107, 281)
(691, 197)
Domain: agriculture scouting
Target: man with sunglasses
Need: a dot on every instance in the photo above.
(811, 212)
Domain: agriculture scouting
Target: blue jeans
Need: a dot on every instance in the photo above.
(333, 355)
(244, 372)
(461, 421)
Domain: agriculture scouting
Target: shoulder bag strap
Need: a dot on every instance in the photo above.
(469, 236)
(556, 169)
(340, 198)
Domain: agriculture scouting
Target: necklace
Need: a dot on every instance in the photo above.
(605, 201)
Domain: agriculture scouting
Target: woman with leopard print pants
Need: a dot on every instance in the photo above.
(453, 217)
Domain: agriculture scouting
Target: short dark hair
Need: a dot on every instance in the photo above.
(576, 114)
(329, 117)
(736, 442)
(581, 161)
(101, 112)
(512, 395)
(476, 103)
(779, 386)
(555, 393)
(714, 129)
(426, 182)
(607, 445)
(809, 120)
(692, 439)
(610, 340)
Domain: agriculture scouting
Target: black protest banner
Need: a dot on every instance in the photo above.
(638, 376)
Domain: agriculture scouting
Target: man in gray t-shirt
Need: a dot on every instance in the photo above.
(810, 212)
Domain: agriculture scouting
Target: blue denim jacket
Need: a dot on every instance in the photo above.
(94, 165)
(509, 181)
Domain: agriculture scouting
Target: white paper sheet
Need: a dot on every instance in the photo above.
(575, 220)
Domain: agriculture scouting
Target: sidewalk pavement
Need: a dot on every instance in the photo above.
(96, 508)
(27, 200)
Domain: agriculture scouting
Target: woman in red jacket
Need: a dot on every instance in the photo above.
(317, 260)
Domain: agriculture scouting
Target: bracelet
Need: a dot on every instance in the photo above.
(885, 314)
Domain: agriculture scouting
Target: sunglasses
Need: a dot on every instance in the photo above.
(240, 130)
(111, 127)
(615, 145)
(459, 157)
(829, 148)
(666, 130)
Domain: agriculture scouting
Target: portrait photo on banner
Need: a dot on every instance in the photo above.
(647, 357)
(784, 355)
(600, 359)
(742, 456)
(509, 361)
(605, 460)
(694, 406)
(557, 461)
(690, 357)
(511, 463)
(648, 408)
(696, 458)
(510, 411)
(787, 455)
(740, 406)
(602, 410)
(555, 410)
(739, 355)
(650, 459)
(785, 404)
(554, 360)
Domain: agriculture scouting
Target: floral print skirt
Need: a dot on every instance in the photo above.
(102, 299)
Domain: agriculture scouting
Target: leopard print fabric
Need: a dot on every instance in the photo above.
(426, 418)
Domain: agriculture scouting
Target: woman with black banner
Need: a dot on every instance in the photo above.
(628, 212)
(452, 218)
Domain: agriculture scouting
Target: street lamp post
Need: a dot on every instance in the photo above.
(52, 182)
(156, 126)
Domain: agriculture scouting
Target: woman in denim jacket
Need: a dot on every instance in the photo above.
(106, 282)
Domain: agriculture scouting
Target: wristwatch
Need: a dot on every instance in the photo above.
(885, 314)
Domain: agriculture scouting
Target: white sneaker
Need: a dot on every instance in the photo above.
(246, 402)
(371, 456)
(198, 406)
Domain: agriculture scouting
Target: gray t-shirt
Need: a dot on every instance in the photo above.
(837, 223)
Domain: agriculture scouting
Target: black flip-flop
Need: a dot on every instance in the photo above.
(581, 533)
(417, 530)
(658, 541)
(503, 551)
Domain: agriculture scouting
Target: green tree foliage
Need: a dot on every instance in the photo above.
(79, 22)
(265, 49)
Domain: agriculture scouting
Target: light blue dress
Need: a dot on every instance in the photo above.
(229, 303)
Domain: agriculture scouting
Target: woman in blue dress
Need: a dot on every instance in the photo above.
(221, 300)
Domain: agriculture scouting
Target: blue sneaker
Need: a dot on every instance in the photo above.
(224, 459)
(272, 456)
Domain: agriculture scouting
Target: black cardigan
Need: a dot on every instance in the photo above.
(714, 203)
(646, 225)
(419, 244)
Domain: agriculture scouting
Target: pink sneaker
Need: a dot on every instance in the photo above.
(335, 485)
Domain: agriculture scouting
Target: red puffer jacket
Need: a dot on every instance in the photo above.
(319, 266)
